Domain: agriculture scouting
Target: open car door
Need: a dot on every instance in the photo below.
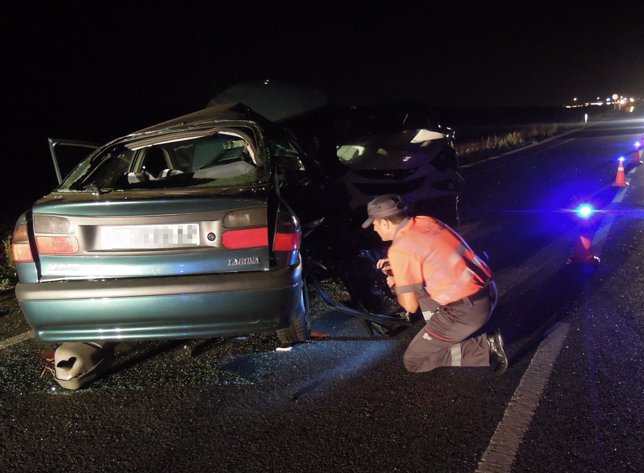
(74, 152)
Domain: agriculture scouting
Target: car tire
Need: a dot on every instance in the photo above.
(300, 329)
(367, 285)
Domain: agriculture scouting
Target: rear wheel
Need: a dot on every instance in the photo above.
(300, 329)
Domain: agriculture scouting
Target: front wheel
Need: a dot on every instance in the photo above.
(300, 329)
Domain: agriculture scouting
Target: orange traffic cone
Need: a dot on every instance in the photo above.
(620, 179)
(583, 253)
(637, 156)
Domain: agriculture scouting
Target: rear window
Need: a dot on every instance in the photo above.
(222, 158)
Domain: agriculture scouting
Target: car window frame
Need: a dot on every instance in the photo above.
(59, 142)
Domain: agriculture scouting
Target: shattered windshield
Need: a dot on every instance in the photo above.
(222, 158)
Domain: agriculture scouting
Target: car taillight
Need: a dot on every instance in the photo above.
(20, 249)
(287, 232)
(57, 245)
(286, 241)
(54, 235)
(246, 238)
(235, 238)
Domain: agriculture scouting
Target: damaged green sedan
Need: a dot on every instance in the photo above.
(180, 230)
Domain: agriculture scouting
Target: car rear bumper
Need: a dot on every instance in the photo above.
(162, 307)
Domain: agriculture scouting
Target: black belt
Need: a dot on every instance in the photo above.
(482, 293)
(429, 304)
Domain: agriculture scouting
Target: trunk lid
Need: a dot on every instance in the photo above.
(94, 236)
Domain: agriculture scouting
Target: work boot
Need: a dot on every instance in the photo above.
(498, 358)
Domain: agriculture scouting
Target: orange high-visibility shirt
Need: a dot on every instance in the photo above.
(429, 258)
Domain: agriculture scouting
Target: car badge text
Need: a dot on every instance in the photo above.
(243, 261)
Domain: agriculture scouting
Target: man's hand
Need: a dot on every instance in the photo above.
(407, 300)
(384, 266)
(391, 282)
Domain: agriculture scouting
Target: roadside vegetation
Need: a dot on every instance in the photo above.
(501, 141)
(7, 269)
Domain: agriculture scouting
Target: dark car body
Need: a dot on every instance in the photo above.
(399, 147)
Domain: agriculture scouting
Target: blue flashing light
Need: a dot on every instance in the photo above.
(621, 159)
(585, 211)
(637, 145)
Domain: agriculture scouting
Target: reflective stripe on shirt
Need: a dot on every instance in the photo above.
(438, 259)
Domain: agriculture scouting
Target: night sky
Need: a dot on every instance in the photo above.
(95, 72)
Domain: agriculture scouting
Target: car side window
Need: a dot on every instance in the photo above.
(155, 161)
(221, 158)
(101, 171)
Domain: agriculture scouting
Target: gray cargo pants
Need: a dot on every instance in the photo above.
(443, 341)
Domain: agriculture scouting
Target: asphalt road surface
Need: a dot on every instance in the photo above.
(570, 401)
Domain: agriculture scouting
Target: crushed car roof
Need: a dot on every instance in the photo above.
(276, 100)
(231, 111)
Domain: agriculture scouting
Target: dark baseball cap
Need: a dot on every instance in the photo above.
(384, 206)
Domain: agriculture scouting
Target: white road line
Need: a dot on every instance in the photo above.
(17, 339)
(502, 449)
